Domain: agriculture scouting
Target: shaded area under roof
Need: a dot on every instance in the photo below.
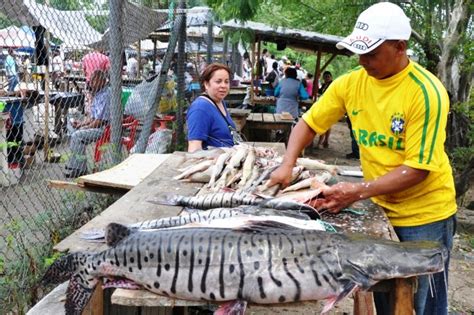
(294, 38)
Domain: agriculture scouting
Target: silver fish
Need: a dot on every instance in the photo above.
(235, 199)
(218, 167)
(260, 263)
(194, 215)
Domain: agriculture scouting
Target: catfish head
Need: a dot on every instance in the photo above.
(367, 261)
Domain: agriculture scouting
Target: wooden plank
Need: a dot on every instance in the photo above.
(127, 174)
(59, 184)
(147, 298)
(53, 303)
(364, 303)
(133, 206)
(268, 118)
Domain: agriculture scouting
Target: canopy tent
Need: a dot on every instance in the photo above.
(312, 42)
(71, 27)
(17, 37)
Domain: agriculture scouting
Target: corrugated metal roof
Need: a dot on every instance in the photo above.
(299, 39)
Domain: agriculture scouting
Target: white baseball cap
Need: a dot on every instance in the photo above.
(381, 21)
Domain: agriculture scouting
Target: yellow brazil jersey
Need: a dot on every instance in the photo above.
(398, 120)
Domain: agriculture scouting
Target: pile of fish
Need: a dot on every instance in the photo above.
(247, 168)
(260, 261)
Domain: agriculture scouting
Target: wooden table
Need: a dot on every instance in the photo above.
(235, 97)
(263, 127)
(133, 207)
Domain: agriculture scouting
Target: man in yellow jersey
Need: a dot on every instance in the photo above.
(398, 112)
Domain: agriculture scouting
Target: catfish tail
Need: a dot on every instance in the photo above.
(63, 268)
(72, 267)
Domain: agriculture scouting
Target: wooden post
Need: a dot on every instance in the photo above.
(139, 58)
(95, 306)
(154, 54)
(402, 296)
(364, 303)
(317, 73)
(46, 96)
(253, 63)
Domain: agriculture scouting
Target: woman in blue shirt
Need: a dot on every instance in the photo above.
(288, 91)
(208, 121)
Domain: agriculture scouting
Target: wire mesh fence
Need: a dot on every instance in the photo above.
(72, 103)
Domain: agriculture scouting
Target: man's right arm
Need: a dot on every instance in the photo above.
(301, 136)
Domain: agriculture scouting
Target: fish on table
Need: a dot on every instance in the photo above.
(238, 198)
(195, 216)
(259, 262)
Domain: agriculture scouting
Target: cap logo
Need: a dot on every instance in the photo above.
(362, 26)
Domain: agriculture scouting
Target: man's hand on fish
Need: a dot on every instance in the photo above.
(339, 196)
(282, 176)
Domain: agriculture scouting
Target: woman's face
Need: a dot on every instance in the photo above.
(218, 86)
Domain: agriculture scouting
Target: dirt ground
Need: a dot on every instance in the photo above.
(461, 272)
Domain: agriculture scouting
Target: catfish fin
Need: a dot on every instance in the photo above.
(358, 275)
(78, 294)
(261, 226)
(236, 307)
(115, 232)
(348, 288)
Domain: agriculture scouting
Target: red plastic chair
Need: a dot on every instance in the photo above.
(130, 125)
(162, 121)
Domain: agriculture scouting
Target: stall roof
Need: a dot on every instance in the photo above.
(294, 38)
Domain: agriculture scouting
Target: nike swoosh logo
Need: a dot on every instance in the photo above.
(355, 112)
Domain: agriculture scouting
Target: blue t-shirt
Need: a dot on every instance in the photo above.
(100, 108)
(206, 124)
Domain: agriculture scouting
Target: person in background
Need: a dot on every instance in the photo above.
(91, 128)
(269, 64)
(95, 60)
(158, 65)
(246, 67)
(58, 68)
(282, 65)
(288, 92)
(354, 146)
(262, 64)
(209, 123)
(327, 80)
(399, 112)
(132, 66)
(272, 78)
(11, 71)
(309, 84)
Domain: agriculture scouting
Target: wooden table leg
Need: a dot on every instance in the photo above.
(364, 303)
(401, 297)
(96, 303)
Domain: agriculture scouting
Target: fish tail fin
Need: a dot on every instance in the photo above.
(115, 232)
(78, 294)
(64, 268)
(81, 285)
(169, 200)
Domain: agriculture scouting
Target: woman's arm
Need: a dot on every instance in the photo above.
(194, 145)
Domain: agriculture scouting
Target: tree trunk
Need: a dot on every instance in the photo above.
(457, 75)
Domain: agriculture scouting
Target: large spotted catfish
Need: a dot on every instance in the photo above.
(264, 262)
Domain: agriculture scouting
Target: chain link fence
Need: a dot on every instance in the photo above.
(71, 103)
